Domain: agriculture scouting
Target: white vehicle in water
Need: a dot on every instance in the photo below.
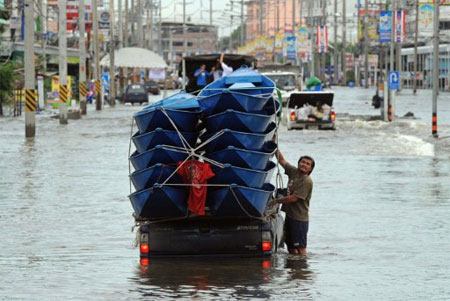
(300, 106)
(286, 82)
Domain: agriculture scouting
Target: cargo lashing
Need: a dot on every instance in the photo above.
(191, 151)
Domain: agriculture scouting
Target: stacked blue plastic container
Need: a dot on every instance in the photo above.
(159, 146)
(239, 115)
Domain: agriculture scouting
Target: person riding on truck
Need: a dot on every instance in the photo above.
(296, 203)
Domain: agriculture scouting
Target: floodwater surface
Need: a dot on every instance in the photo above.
(379, 229)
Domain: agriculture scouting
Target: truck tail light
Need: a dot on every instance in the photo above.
(144, 248)
(333, 116)
(144, 261)
(292, 116)
(266, 246)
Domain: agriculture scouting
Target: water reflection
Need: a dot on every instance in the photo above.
(220, 277)
(298, 268)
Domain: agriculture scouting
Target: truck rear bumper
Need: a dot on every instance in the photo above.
(300, 125)
(204, 236)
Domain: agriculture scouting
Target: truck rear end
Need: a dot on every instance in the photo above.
(206, 235)
(297, 104)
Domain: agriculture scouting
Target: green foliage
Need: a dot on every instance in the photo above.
(350, 76)
(5, 14)
(8, 78)
(236, 36)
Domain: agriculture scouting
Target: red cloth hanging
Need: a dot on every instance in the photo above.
(195, 172)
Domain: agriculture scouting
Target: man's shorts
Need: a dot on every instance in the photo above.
(295, 233)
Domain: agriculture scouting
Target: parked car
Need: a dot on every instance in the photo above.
(168, 84)
(152, 87)
(297, 114)
(136, 93)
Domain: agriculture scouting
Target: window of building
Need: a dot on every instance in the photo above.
(444, 25)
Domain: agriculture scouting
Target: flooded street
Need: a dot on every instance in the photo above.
(379, 229)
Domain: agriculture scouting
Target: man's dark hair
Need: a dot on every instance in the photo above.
(309, 158)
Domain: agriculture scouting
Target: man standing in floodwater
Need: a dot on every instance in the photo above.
(296, 203)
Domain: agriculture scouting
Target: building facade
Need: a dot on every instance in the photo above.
(199, 38)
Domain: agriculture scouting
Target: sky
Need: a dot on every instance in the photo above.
(198, 11)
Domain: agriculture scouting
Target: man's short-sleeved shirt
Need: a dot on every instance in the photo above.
(301, 186)
(201, 78)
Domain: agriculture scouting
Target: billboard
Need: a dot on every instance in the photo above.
(372, 25)
(399, 25)
(426, 11)
(322, 39)
(385, 26)
(72, 13)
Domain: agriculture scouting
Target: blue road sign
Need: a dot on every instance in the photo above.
(104, 79)
(394, 80)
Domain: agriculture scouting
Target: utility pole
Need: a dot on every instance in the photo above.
(416, 34)
(62, 45)
(278, 16)
(313, 37)
(358, 22)
(211, 12)
(230, 40)
(242, 40)
(82, 50)
(120, 27)
(133, 21)
(98, 102)
(391, 55)
(184, 29)
(391, 62)
(170, 46)
(139, 23)
(127, 19)
(147, 41)
(335, 52)
(366, 44)
(160, 50)
(184, 45)
(324, 21)
(260, 27)
(30, 96)
(112, 73)
(398, 53)
(293, 17)
(151, 26)
(300, 3)
(42, 29)
(344, 42)
(435, 66)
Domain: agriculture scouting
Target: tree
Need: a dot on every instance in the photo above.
(224, 42)
(8, 78)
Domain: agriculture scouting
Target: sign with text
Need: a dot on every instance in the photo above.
(385, 26)
(72, 13)
(394, 80)
(322, 39)
(426, 11)
(399, 25)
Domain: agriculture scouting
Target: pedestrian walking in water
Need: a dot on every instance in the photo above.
(296, 203)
